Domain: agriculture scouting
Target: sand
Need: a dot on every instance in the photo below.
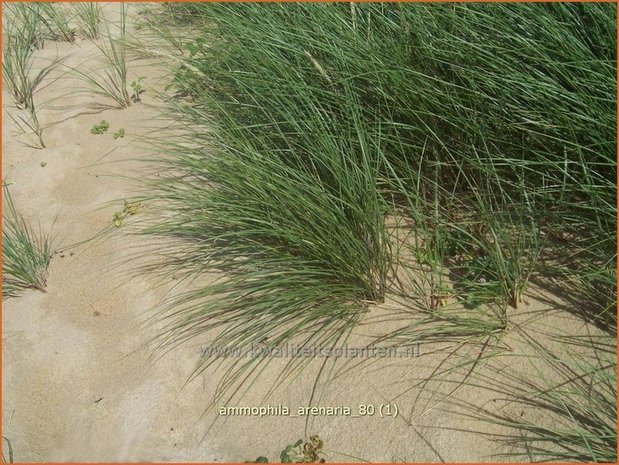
(79, 380)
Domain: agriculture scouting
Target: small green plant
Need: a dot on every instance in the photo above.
(129, 209)
(299, 452)
(100, 128)
(137, 90)
(25, 253)
(119, 134)
(261, 459)
(293, 453)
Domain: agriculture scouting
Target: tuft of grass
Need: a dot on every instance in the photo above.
(299, 250)
(489, 129)
(25, 253)
(21, 38)
(56, 21)
(89, 15)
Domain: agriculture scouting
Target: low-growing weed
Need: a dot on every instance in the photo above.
(100, 128)
(300, 452)
(129, 209)
(137, 90)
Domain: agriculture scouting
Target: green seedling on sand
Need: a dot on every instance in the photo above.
(100, 128)
(120, 133)
(137, 90)
(89, 16)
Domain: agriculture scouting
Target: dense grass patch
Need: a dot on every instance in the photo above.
(491, 126)
(450, 154)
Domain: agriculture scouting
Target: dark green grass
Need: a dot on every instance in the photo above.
(89, 16)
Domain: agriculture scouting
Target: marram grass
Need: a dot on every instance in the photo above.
(491, 128)
(26, 253)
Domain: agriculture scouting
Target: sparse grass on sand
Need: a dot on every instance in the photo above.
(559, 405)
(89, 15)
(56, 21)
(22, 29)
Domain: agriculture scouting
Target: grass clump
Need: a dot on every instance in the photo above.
(21, 38)
(25, 253)
(296, 253)
(100, 127)
(56, 21)
(89, 15)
